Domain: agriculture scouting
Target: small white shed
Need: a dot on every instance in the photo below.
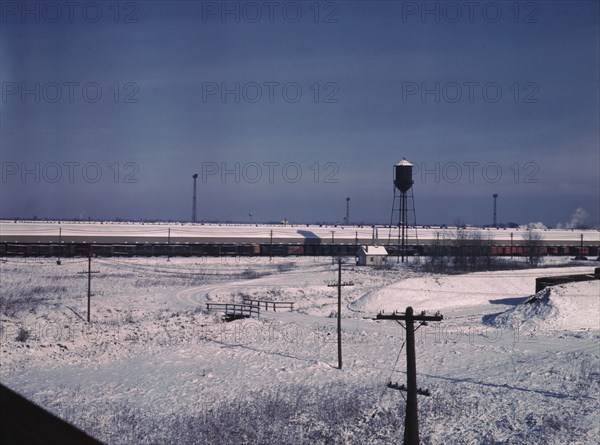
(371, 256)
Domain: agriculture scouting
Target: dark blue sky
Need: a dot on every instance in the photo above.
(284, 109)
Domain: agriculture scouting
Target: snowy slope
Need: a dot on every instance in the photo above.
(152, 367)
(453, 292)
(569, 306)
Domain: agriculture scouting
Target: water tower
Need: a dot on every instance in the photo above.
(403, 204)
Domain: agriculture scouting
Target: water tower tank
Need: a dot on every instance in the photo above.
(403, 175)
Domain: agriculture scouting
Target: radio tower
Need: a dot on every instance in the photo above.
(495, 196)
(194, 199)
(347, 211)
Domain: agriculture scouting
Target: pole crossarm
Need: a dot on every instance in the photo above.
(402, 316)
(402, 387)
(345, 283)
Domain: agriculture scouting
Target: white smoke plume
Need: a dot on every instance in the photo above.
(579, 219)
(533, 226)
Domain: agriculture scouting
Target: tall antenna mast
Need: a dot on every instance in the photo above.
(194, 199)
(347, 211)
(495, 196)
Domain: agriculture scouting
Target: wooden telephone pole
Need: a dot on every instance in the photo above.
(339, 285)
(411, 421)
(59, 243)
(169, 245)
(332, 246)
(89, 273)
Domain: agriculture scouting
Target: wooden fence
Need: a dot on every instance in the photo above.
(235, 309)
(267, 304)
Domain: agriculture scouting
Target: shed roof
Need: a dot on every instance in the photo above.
(373, 250)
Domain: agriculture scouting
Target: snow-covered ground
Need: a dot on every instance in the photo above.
(48, 231)
(154, 367)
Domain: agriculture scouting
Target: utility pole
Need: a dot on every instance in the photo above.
(411, 421)
(169, 245)
(511, 245)
(437, 247)
(580, 256)
(89, 273)
(339, 285)
(332, 246)
(89, 283)
(271, 247)
(59, 243)
(404, 224)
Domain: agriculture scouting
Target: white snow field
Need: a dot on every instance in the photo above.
(71, 231)
(153, 367)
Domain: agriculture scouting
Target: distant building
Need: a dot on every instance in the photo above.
(371, 256)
